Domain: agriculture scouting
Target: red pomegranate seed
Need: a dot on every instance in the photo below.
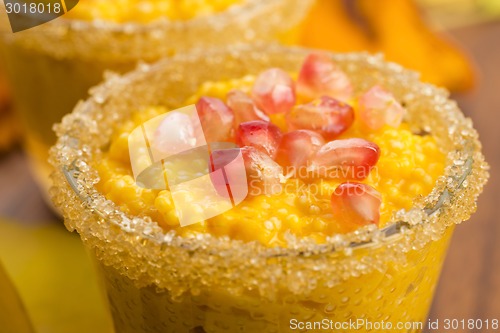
(228, 174)
(259, 134)
(263, 174)
(274, 91)
(244, 107)
(328, 116)
(378, 107)
(357, 204)
(320, 76)
(297, 148)
(217, 120)
(345, 159)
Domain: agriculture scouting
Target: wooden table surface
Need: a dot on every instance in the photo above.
(470, 282)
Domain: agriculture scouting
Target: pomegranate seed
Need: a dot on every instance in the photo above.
(378, 107)
(356, 203)
(228, 175)
(326, 115)
(274, 91)
(297, 148)
(345, 159)
(319, 76)
(244, 107)
(175, 134)
(216, 119)
(263, 174)
(259, 134)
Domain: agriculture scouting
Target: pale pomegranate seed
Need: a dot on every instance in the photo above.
(356, 203)
(216, 119)
(320, 76)
(244, 107)
(263, 174)
(175, 134)
(328, 116)
(378, 107)
(259, 134)
(345, 159)
(297, 148)
(274, 91)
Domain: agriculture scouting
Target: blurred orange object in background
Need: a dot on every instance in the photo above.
(395, 28)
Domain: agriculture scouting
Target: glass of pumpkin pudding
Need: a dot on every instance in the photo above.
(336, 182)
(52, 66)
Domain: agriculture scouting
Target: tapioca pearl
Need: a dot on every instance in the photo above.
(330, 308)
(428, 180)
(435, 168)
(119, 150)
(419, 157)
(415, 188)
(403, 201)
(418, 173)
(318, 237)
(319, 225)
(270, 225)
(347, 314)
(397, 145)
(429, 146)
(282, 211)
(249, 229)
(218, 226)
(405, 167)
(374, 179)
(164, 202)
(314, 209)
(293, 223)
(307, 315)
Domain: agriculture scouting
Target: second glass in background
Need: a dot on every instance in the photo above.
(52, 66)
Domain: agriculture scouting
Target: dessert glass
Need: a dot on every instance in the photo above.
(159, 282)
(52, 66)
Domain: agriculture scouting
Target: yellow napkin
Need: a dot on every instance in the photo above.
(13, 316)
(54, 278)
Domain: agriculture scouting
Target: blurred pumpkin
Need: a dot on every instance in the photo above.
(394, 27)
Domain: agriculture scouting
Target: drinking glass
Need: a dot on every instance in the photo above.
(161, 282)
(52, 66)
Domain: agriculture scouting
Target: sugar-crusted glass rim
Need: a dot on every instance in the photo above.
(246, 22)
(131, 244)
